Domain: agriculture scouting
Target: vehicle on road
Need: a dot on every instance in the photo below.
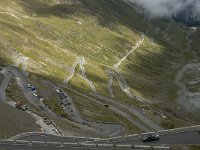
(33, 88)
(24, 108)
(151, 137)
(40, 98)
(63, 107)
(35, 95)
(19, 105)
(105, 105)
(58, 91)
(29, 85)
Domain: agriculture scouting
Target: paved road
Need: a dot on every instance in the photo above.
(8, 73)
(135, 111)
(190, 137)
(116, 110)
(108, 129)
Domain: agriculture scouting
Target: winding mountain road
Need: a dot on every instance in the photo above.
(138, 44)
(8, 73)
(81, 61)
(109, 129)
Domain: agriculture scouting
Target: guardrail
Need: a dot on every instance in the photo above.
(94, 142)
(179, 130)
(73, 138)
(161, 132)
(80, 145)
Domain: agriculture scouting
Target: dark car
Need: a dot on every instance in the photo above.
(33, 88)
(151, 137)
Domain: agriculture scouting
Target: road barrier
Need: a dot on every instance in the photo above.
(160, 148)
(7, 141)
(53, 143)
(71, 144)
(38, 143)
(143, 147)
(89, 145)
(116, 139)
(179, 130)
(82, 145)
(124, 146)
(21, 142)
(128, 137)
(105, 145)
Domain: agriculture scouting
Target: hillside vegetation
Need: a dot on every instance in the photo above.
(53, 33)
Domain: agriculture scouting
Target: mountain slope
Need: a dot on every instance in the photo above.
(52, 34)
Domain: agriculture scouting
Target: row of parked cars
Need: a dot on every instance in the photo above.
(63, 98)
(35, 95)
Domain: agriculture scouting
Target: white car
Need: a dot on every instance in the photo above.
(63, 107)
(29, 85)
(58, 91)
(34, 95)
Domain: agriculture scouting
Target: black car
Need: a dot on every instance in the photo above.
(151, 137)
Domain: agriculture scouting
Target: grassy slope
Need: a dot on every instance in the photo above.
(49, 34)
(195, 42)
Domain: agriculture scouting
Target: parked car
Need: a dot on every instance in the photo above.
(63, 107)
(151, 137)
(35, 95)
(33, 88)
(29, 85)
(105, 105)
(24, 107)
(40, 98)
(58, 91)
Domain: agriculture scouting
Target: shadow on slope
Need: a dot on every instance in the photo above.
(109, 12)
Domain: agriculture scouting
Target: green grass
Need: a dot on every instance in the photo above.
(93, 111)
(50, 97)
(50, 35)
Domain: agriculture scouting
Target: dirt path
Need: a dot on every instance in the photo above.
(121, 80)
(81, 61)
(138, 44)
(22, 61)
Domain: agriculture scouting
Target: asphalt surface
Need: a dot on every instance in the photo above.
(190, 137)
(109, 129)
(102, 128)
